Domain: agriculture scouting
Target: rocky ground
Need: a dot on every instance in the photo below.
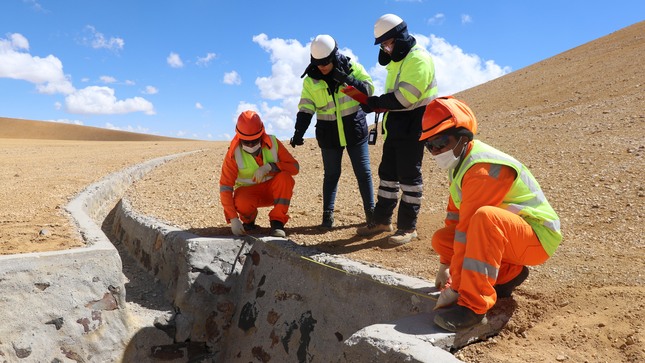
(577, 120)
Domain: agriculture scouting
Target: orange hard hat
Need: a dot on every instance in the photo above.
(249, 125)
(444, 113)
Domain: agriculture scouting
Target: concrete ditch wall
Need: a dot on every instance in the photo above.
(70, 305)
(283, 302)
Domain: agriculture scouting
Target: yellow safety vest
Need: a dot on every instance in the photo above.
(525, 198)
(246, 164)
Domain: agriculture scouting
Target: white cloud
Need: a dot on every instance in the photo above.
(130, 128)
(150, 90)
(455, 70)
(98, 41)
(18, 41)
(46, 73)
(232, 78)
(437, 19)
(289, 59)
(107, 79)
(174, 60)
(199, 106)
(101, 100)
(35, 5)
(465, 19)
(204, 61)
(66, 121)
(129, 82)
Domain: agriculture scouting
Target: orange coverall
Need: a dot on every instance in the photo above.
(501, 239)
(244, 201)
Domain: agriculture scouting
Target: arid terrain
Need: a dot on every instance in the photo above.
(577, 120)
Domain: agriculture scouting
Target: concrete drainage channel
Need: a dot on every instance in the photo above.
(230, 299)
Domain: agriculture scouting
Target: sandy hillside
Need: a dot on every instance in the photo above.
(577, 120)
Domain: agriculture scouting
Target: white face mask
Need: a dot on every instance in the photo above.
(251, 149)
(447, 159)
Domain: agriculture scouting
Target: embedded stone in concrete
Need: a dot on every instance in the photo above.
(409, 339)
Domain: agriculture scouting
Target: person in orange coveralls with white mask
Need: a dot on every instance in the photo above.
(498, 219)
(257, 172)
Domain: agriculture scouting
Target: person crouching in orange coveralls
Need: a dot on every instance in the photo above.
(498, 220)
(257, 172)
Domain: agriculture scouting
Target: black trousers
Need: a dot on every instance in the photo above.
(400, 170)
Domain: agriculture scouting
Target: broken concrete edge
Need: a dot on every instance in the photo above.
(81, 290)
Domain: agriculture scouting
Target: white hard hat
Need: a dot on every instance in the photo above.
(387, 26)
(322, 47)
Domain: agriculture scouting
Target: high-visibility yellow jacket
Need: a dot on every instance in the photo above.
(340, 119)
(412, 81)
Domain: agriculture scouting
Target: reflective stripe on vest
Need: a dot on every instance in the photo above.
(525, 198)
(246, 164)
(397, 86)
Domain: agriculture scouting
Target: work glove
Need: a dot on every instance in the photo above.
(339, 76)
(373, 102)
(237, 228)
(443, 277)
(366, 108)
(261, 173)
(446, 298)
(296, 140)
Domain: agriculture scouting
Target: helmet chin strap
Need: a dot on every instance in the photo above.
(461, 155)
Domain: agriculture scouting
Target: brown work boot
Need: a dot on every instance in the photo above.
(373, 228)
(403, 236)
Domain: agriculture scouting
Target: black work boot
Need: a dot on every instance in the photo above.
(505, 290)
(249, 226)
(369, 216)
(328, 219)
(277, 229)
(458, 317)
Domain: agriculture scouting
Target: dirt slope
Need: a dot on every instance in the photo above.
(577, 120)
(12, 128)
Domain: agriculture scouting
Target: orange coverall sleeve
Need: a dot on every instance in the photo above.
(226, 184)
(287, 162)
(479, 188)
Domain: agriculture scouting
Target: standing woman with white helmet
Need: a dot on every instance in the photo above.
(410, 85)
(340, 121)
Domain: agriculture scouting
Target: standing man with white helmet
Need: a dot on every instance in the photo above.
(340, 121)
(410, 85)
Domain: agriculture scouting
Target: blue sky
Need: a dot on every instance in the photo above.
(188, 68)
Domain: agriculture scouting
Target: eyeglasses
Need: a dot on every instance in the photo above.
(438, 143)
(387, 45)
(250, 142)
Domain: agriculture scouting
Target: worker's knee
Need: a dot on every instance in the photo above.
(284, 179)
(485, 215)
